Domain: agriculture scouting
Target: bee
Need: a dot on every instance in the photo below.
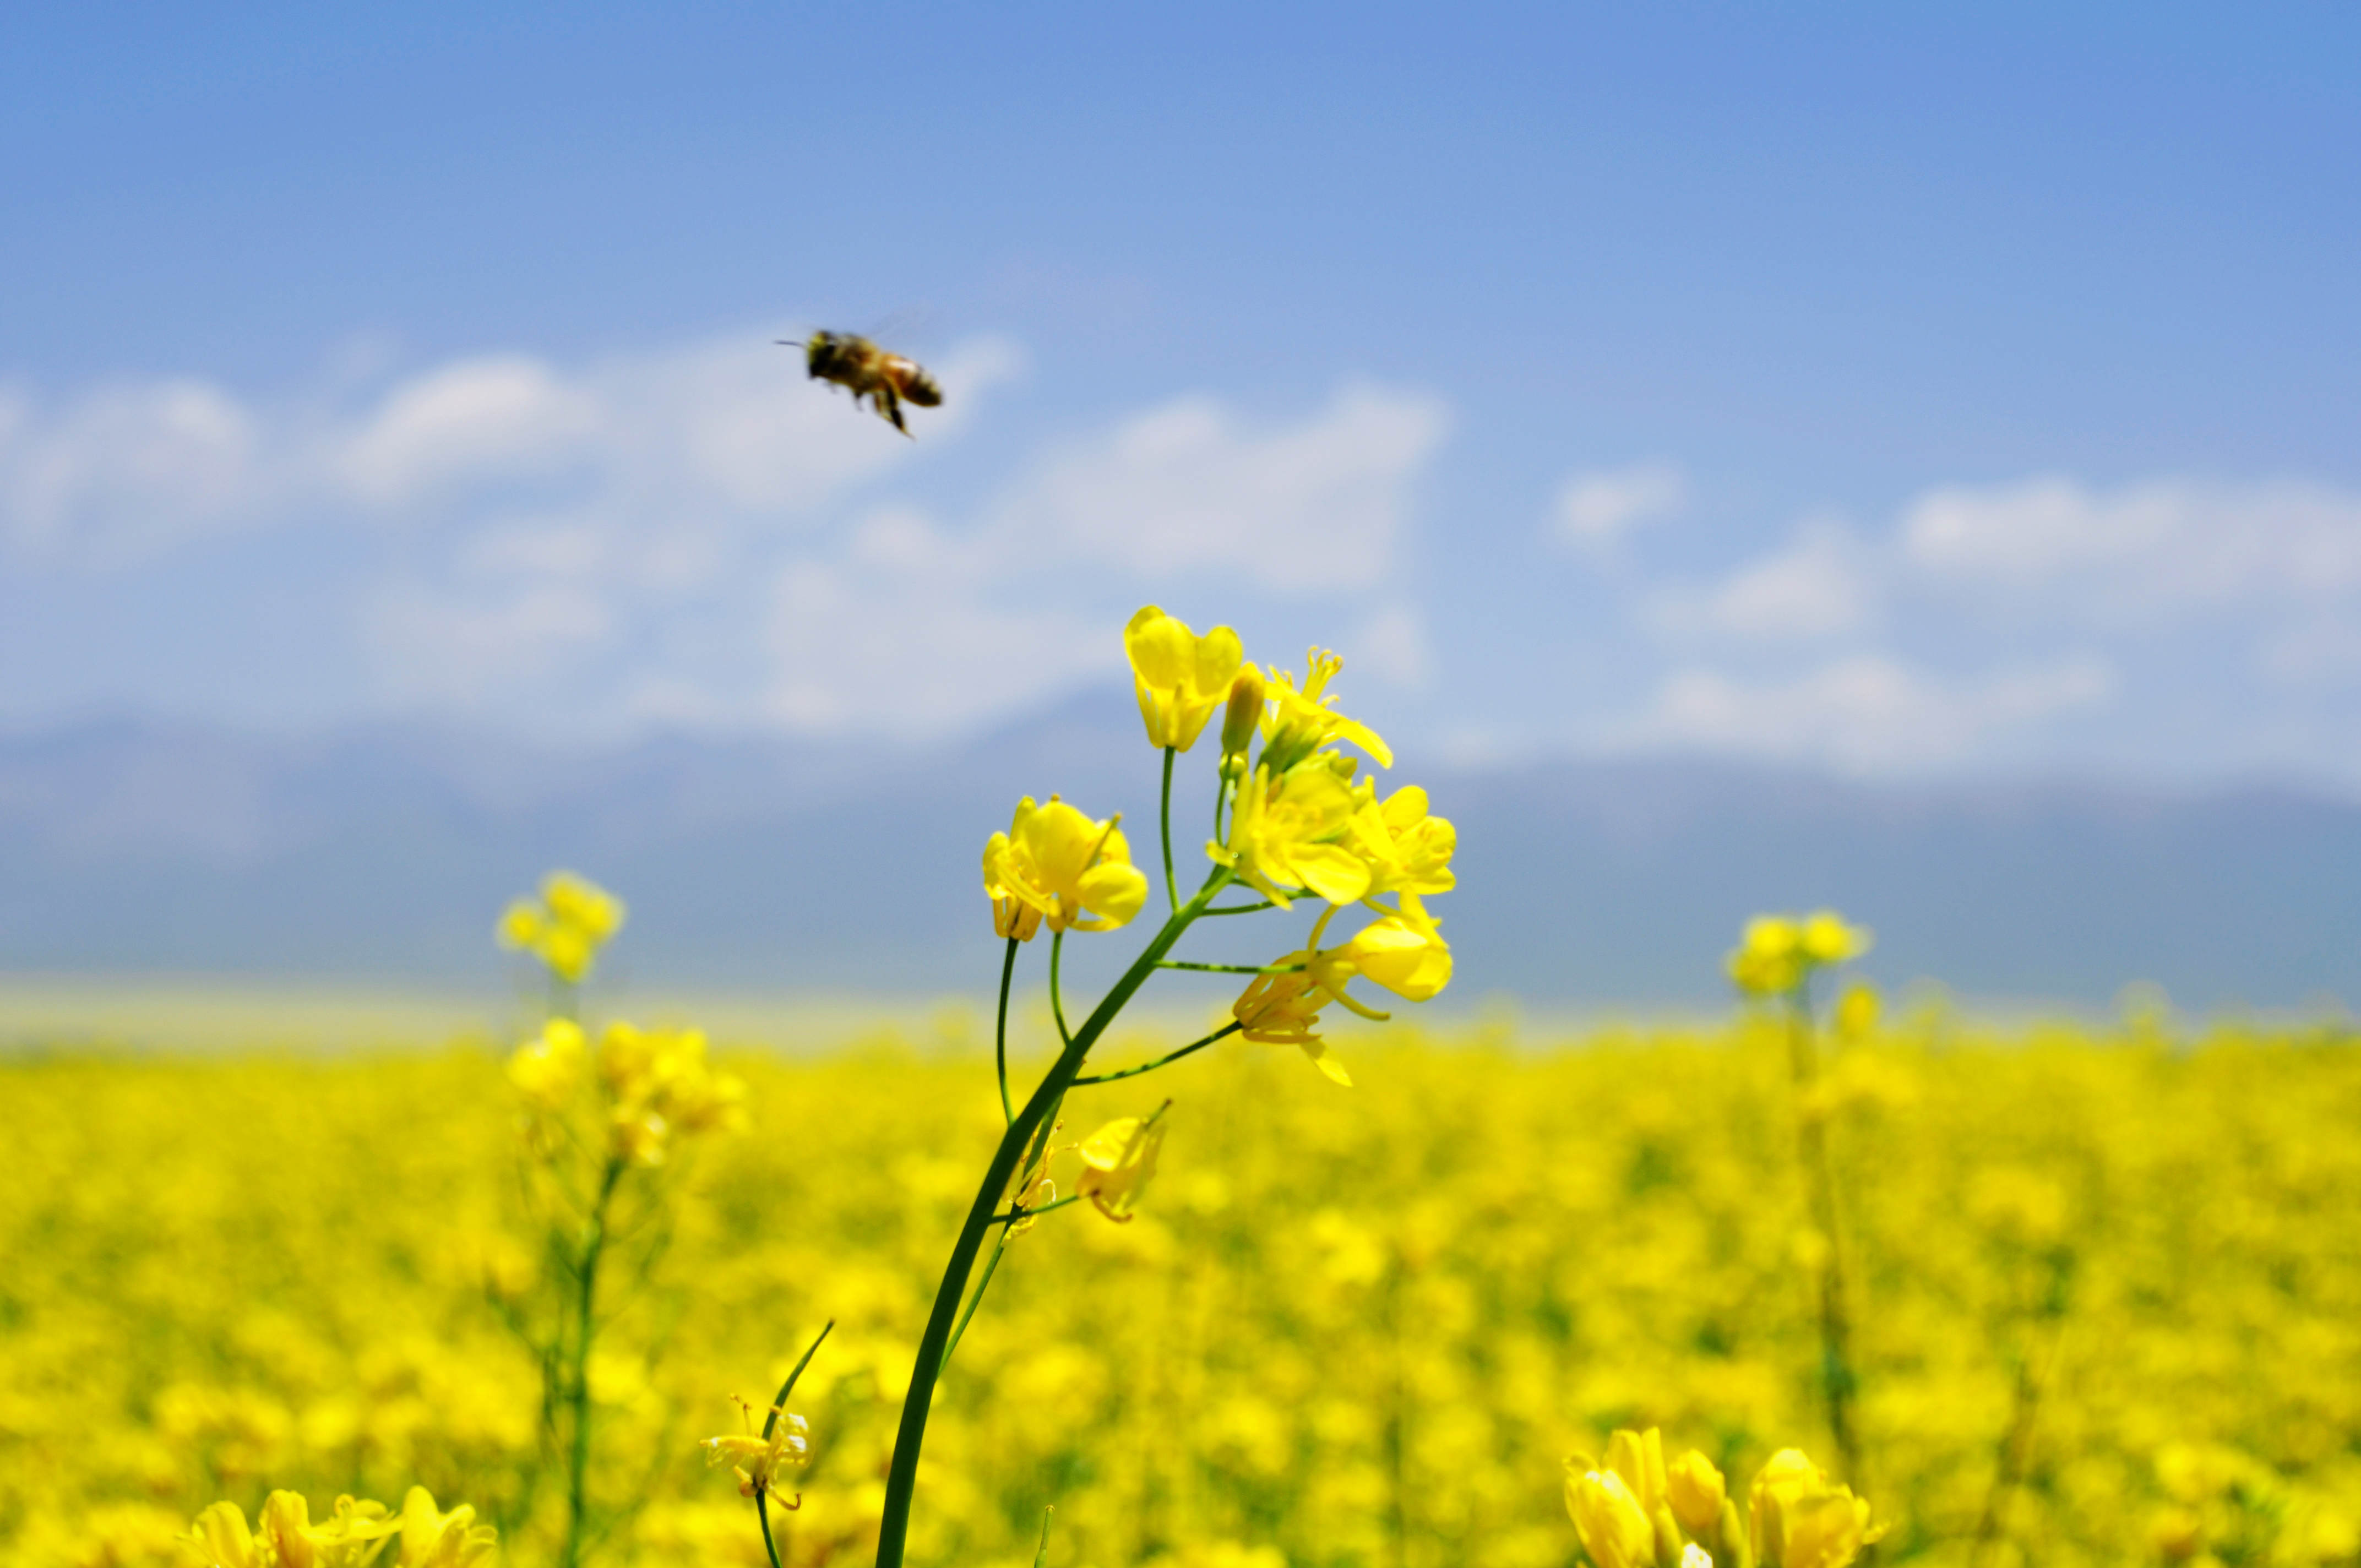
(885, 379)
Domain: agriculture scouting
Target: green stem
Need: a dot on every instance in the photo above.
(577, 1384)
(1836, 1373)
(1244, 908)
(902, 1476)
(770, 1424)
(1164, 830)
(1057, 1001)
(1190, 1050)
(1232, 969)
(1010, 1216)
(1000, 1037)
(975, 1300)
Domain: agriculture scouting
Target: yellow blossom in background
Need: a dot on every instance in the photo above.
(1615, 1530)
(1056, 866)
(1695, 1491)
(659, 1085)
(1117, 1162)
(547, 1069)
(1801, 1520)
(1303, 721)
(1180, 677)
(1778, 953)
(757, 1459)
(285, 1536)
(565, 926)
(432, 1539)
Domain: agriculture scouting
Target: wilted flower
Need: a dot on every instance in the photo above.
(757, 1459)
(1118, 1161)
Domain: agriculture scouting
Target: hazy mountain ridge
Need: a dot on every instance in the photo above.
(383, 852)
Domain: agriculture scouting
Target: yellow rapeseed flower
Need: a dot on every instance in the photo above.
(432, 1539)
(1118, 1161)
(1801, 1520)
(1615, 1530)
(1181, 677)
(1301, 722)
(286, 1537)
(1281, 1009)
(1056, 865)
(1639, 1458)
(1290, 832)
(1695, 1490)
(566, 926)
(1779, 952)
(1404, 952)
(547, 1069)
(658, 1085)
(1406, 848)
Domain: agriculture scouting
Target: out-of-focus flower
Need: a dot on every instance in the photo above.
(1695, 1490)
(432, 1539)
(1288, 835)
(1615, 1528)
(1117, 1162)
(1801, 1520)
(1639, 1458)
(1301, 722)
(566, 926)
(659, 1084)
(1180, 677)
(547, 1069)
(1779, 952)
(757, 1461)
(1857, 1011)
(1056, 866)
(286, 1537)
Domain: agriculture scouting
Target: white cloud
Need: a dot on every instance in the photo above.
(1596, 510)
(2151, 551)
(1822, 584)
(1865, 713)
(918, 653)
(470, 653)
(1393, 645)
(723, 432)
(1191, 486)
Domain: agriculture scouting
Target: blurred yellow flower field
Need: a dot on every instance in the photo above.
(1362, 1326)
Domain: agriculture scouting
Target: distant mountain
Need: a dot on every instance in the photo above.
(384, 854)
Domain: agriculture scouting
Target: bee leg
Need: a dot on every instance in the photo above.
(889, 406)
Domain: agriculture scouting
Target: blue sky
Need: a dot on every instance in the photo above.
(1905, 390)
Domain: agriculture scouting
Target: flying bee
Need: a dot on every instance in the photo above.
(868, 371)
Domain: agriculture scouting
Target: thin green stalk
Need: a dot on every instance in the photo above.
(1244, 908)
(1836, 1373)
(578, 1386)
(1164, 831)
(975, 1299)
(1057, 1001)
(1167, 1060)
(1232, 968)
(1010, 1216)
(902, 1476)
(770, 1424)
(1000, 1035)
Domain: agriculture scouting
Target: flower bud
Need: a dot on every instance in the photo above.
(1695, 1488)
(1244, 715)
(1801, 1520)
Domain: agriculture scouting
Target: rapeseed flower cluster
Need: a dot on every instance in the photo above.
(565, 926)
(1634, 1511)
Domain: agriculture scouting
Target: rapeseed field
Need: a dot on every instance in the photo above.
(1820, 1285)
